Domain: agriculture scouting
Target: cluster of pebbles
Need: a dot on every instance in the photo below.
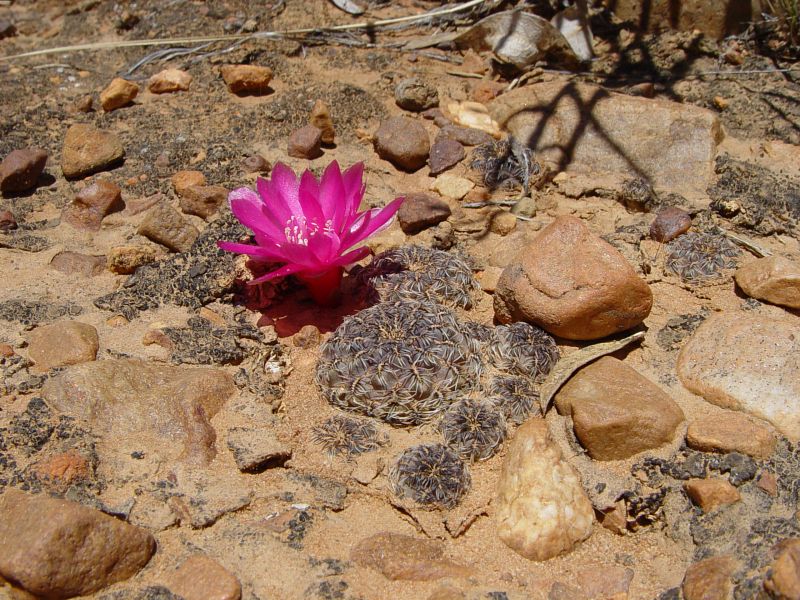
(412, 360)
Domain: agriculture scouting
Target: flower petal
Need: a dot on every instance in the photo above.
(371, 222)
(309, 198)
(248, 208)
(332, 196)
(354, 187)
(282, 192)
(282, 272)
(352, 256)
(258, 251)
(325, 245)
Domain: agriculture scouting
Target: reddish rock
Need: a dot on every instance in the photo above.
(169, 80)
(573, 284)
(774, 279)
(420, 211)
(710, 579)
(247, 79)
(321, 119)
(7, 221)
(62, 344)
(729, 431)
(403, 142)
(710, 494)
(467, 136)
(88, 150)
(768, 482)
(120, 92)
(201, 578)
(305, 143)
(669, 223)
(166, 226)
(183, 180)
(616, 412)
(256, 164)
(20, 170)
(57, 549)
(203, 200)
(92, 204)
(403, 557)
(784, 577)
(445, 154)
(63, 469)
(74, 263)
(134, 206)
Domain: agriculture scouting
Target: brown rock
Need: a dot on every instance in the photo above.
(256, 164)
(784, 577)
(201, 578)
(247, 79)
(308, 337)
(134, 206)
(415, 95)
(502, 222)
(169, 80)
(183, 180)
(64, 469)
(92, 204)
(616, 412)
(447, 592)
(710, 494)
(749, 363)
(486, 90)
(466, 136)
(203, 200)
(615, 519)
(768, 482)
(7, 221)
(62, 344)
(120, 92)
(164, 406)
(717, 21)
(773, 279)
(255, 450)
(403, 142)
(124, 260)
(710, 579)
(73, 263)
(573, 284)
(6, 351)
(420, 211)
(321, 119)
(670, 222)
(20, 170)
(58, 549)
(83, 104)
(405, 557)
(88, 150)
(305, 143)
(445, 154)
(729, 431)
(165, 225)
(582, 126)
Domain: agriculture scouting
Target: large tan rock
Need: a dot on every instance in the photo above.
(405, 557)
(749, 363)
(617, 412)
(710, 579)
(582, 127)
(715, 19)
(166, 406)
(784, 576)
(773, 278)
(59, 549)
(710, 494)
(62, 344)
(729, 431)
(573, 284)
(542, 509)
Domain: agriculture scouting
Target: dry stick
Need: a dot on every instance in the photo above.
(242, 36)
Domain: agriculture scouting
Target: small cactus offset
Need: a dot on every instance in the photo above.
(430, 475)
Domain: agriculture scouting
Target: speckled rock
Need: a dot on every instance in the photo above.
(61, 344)
(168, 407)
(92, 204)
(75, 263)
(403, 142)
(541, 510)
(710, 579)
(748, 363)
(403, 557)
(415, 95)
(58, 549)
(321, 119)
(616, 412)
(246, 79)
(120, 92)
(420, 211)
(20, 169)
(670, 222)
(124, 260)
(710, 494)
(729, 431)
(773, 279)
(452, 186)
(573, 284)
(165, 225)
(88, 150)
(168, 81)
(784, 576)
(445, 154)
(202, 578)
(203, 200)
(305, 143)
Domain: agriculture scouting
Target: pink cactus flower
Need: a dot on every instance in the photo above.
(311, 225)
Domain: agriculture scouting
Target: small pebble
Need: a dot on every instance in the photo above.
(7, 29)
(710, 494)
(134, 206)
(420, 211)
(415, 95)
(445, 154)
(203, 200)
(256, 164)
(120, 92)
(247, 79)
(468, 136)
(670, 222)
(124, 260)
(20, 170)
(484, 91)
(308, 337)
(452, 186)
(168, 81)
(83, 104)
(183, 180)
(166, 226)
(74, 263)
(502, 222)
(201, 578)
(92, 204)
(305, 143)
(88, 150)
(6, 351)
(321, 119)
(7, 221)
(403, 142)
(437, 116)
(61, 344)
